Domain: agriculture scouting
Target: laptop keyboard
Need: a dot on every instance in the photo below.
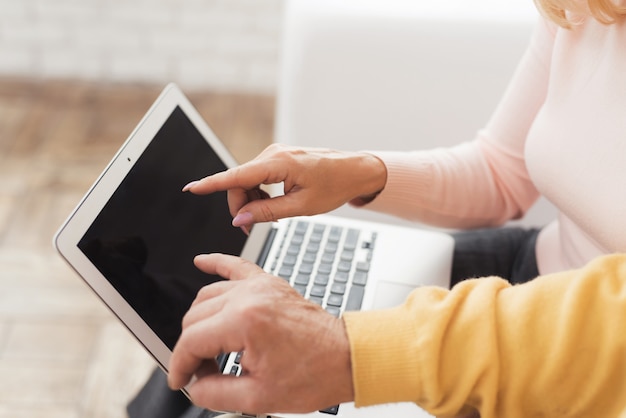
(327, 264)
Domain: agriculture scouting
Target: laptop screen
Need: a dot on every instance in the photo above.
(145, 238)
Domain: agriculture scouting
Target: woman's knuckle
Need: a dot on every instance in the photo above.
(268, 213)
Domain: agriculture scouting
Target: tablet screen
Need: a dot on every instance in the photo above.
(146, 236)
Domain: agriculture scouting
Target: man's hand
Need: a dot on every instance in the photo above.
(296, 356)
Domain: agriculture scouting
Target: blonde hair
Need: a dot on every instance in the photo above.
(604, 11)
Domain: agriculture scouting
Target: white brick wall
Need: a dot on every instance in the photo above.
(218, 44)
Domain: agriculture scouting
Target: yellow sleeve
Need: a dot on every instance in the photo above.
(553, 347)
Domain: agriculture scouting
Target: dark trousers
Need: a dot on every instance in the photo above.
(505, 252)
(156, 400)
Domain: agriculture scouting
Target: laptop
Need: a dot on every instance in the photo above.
(133, 236)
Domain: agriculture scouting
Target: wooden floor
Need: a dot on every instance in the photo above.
(62, 354)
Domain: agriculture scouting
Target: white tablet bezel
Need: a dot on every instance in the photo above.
(73, 229)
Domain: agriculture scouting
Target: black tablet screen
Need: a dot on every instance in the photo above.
(145, 238)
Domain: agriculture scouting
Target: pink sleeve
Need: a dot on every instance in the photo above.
(479, 183)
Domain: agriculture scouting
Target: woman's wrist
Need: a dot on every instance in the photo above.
(374, 179)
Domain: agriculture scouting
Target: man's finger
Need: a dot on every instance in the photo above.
(201, 309)
(194, 348)
(183, 364)
(207, 368)
(224, 393)
(211, 291)
(227, 266)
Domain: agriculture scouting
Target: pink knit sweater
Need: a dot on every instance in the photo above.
(559, 131)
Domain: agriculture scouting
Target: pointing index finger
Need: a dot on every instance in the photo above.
(247, 176)
(193, 349)
(226, 266)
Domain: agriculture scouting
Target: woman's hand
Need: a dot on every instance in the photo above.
(314, 180)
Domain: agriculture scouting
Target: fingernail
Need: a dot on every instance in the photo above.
(242, 219)
(189, 185)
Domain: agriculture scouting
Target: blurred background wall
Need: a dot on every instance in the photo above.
(75, 78)
(201, 44)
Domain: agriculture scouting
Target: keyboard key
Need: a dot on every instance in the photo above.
(317, 300)
(285, 272)
(347, 255)
(313, 247)
(342, 277)
(297, 240)
(316, 237)
(290, 260)
(351, 239)
(325, 268)
(335, 300)
(306, 268)
(318, 291)
(301, 227)
(335, 234)
(344, 266)
(338, 288)
(293, 250)
(321, 279)
(333, 310)
(363, 266)
(309, 257)
(355, 298)
(360, 278)
(328, 258)
(302, 279)
(300, 289)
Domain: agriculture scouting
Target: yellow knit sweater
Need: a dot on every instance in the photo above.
(553, 347)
